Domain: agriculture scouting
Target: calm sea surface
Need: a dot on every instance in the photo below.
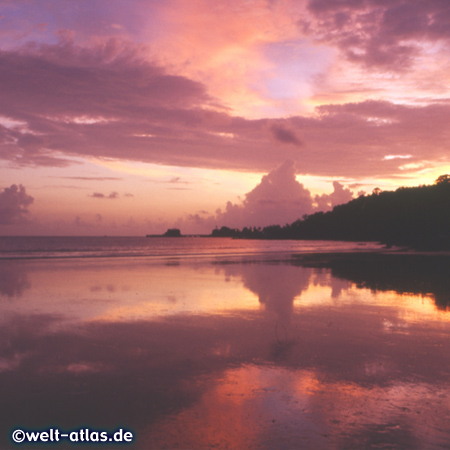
(91, 247)
(204, 343)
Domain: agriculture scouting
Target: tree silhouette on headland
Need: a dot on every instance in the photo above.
(443, 179)
(417, 217)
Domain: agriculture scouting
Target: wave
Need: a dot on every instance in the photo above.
(26, 248)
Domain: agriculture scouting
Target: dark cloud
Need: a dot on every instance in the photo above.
(178, 180)
(284, 135)
(61, 91)
(378, 33)
(14, 202)
(113, 195)
(173, 180)
(94, 81)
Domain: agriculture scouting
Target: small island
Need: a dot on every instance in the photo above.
(172, 232)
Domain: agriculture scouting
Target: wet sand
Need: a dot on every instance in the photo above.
(312, 352)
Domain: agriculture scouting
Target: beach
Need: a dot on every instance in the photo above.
(224, 225)
(269, 348)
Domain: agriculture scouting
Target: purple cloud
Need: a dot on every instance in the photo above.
(14, 202)
(339, 196)
(284, 135)
(278, 199)
(107, 101)
(379, 34)
(113, 195)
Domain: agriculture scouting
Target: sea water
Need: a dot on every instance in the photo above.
(43, 247)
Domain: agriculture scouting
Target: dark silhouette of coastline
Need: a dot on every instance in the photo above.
(416, 217)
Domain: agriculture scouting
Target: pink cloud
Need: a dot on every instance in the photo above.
(69, 101)
(339, 196)
(277, 200)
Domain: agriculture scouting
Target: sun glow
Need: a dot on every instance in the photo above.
(389, 157)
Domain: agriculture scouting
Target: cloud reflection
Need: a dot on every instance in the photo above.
(276, 284)
(13, 280)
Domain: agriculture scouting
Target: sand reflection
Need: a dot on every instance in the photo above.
(284, 409)
(248, 354)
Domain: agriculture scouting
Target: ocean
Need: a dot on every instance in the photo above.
(199, 343)
(30, 247)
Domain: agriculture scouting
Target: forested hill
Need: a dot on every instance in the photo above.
(417, 217)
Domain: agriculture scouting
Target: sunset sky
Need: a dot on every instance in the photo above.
(127, 117)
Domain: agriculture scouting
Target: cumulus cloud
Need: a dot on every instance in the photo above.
(278, 199)
(339, 196)
(14, 202)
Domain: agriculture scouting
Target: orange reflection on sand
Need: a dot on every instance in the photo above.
(407, 307)
(221, 418)
(110, 290)
(245, 406)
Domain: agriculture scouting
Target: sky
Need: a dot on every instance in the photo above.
(131, 117)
